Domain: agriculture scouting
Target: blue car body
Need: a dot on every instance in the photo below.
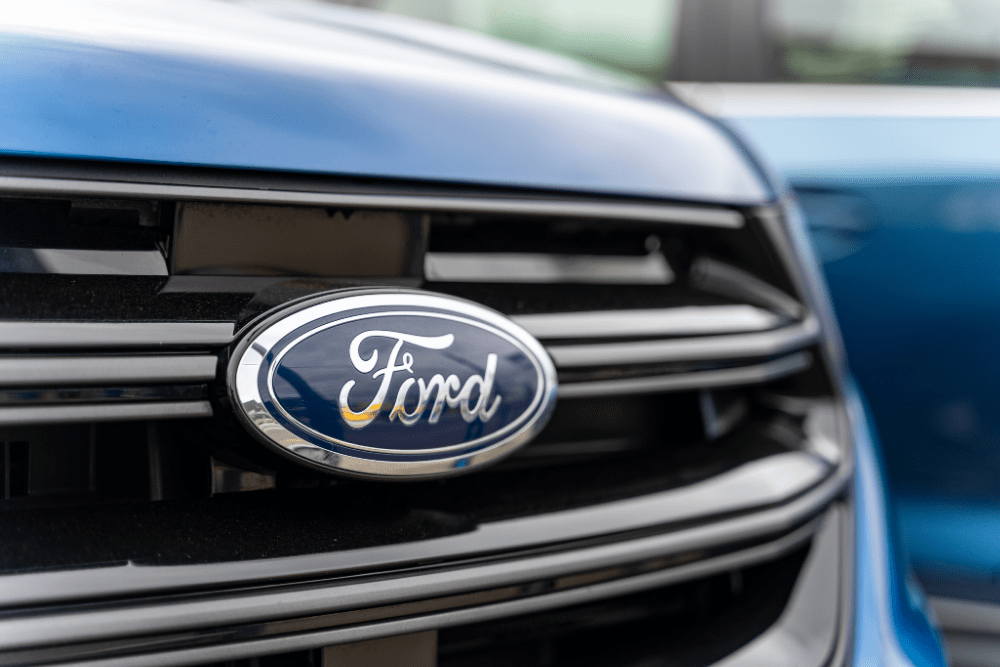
(899, 186)
(912, 271)
(329, 96)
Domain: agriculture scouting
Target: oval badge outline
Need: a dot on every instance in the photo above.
(539, 392)
(352, 459)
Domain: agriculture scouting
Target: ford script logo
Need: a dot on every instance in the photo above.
(381, 383)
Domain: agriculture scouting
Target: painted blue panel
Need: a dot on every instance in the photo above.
(960, 539)
(222, 85)
(919, 307)
(907, 213)
(890, 624)
(877, 148)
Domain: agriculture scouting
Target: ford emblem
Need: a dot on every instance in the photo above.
(391, 384)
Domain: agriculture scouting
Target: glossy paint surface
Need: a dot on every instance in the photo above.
(339, 91)
(890, 626)
(913, 272)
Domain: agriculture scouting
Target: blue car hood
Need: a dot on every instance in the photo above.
(323, 89)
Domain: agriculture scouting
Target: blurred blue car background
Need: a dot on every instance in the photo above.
(910, 252)
(884, 117)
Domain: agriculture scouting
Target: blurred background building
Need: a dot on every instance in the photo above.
(843, 41)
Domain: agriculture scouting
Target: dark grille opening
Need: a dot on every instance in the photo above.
(82, 236)
(608, 427)
(50, 462)
(745, 248)
(15, 469)
(605, 442)
(687, 625)
(85, 464)
(141, 461)
(221, 255)
(588, 264)
(293, 659)
(171, 460)
(118, 299)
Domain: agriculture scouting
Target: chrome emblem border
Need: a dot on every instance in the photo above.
(251, 355)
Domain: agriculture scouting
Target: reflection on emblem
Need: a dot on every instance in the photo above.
(426, 389)
(381, 383)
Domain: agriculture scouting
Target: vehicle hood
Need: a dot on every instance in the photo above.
(323, 89)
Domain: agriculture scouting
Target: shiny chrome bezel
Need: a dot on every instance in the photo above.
(250, 356)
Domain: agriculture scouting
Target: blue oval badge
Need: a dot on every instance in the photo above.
(392, 384)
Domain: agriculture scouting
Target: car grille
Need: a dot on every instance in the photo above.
(697, 416)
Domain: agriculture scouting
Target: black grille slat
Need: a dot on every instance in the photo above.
(692, 624)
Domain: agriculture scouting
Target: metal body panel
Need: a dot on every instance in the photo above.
(898, 185)
(187, 83)
(891, 626)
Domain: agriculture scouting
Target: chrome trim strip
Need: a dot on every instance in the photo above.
(682, 321)
(803, 482)
(728, 377)
(72, 334)
(652, 212)
(76, 261)
(68, 414)
(29, 371)
(651, 269)
(574, 576)
(731, 346)
(720, 278)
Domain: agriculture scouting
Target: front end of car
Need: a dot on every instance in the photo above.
(229, 244)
